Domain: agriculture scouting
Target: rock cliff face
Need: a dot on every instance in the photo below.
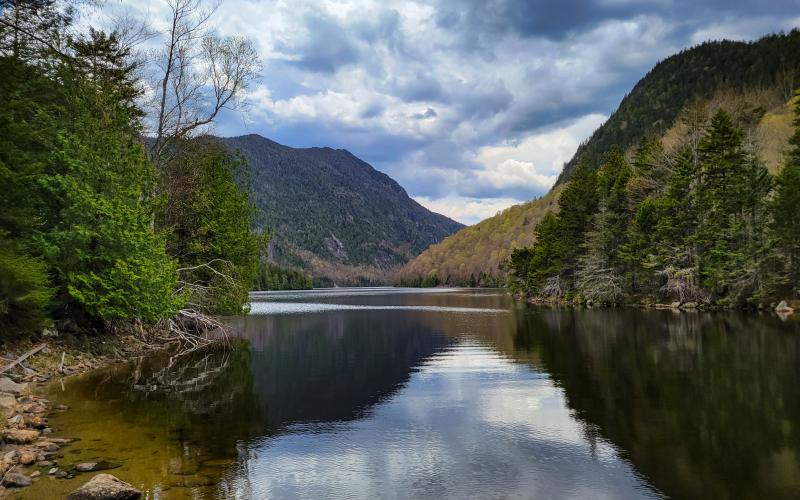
(334, 214)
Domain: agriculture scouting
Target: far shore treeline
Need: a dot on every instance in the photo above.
(116, 205)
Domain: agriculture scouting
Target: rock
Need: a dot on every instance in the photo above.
(52, 470)
(36, 473)
(61, 440)
(783, 308)
(35, 408)
(8, 404)
(47, 446)
(36, 421)
(16, 420)
(16, 480)
(20, 436)
(689, 305)
(27, 457)
(44, 463)
(105, 487)
(86, 467)
(675, 305)
(8, 385)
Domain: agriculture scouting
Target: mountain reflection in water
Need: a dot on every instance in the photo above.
(423, 394)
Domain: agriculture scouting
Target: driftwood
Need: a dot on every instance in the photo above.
(22, 358)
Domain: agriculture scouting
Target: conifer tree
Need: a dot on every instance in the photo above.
(785, 207)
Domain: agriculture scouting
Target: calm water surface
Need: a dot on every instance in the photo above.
(394, 393)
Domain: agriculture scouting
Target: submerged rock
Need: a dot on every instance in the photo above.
(86, 466)
(105, 487)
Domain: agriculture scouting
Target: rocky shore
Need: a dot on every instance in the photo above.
(30, 450)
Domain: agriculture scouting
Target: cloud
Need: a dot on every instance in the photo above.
(464, 209)
(470, 102)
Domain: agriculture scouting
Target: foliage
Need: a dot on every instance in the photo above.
(699, 230)
(208, 217)
(79, 241)
(274, 277)
(695, 73)
(785, 210)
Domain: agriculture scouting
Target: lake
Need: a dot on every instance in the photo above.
(450, 393)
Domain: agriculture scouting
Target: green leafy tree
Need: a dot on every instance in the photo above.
(208, 218)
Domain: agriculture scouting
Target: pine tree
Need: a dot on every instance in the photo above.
(785, 207)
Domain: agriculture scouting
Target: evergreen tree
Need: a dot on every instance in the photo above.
(98, 238)
(785, 208)
(208, 218)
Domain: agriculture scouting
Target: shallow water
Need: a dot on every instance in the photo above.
(392, 393)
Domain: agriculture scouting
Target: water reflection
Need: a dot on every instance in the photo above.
(705, 405)
(407, 394)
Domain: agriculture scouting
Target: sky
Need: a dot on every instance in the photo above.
(472, 106)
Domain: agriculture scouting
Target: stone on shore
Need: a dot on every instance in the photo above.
(783, 308)
(20, 436)
(8, 385)
(16, 480)
(8, 403)
(105, 487)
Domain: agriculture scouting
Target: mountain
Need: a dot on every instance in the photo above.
(333, 214)
(750, 78)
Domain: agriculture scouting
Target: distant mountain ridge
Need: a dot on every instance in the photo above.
(333, 214)
(756, 75)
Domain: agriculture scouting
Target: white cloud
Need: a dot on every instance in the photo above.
(537, 159)
(464, 209)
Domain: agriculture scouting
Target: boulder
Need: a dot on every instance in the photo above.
(27, 457)
(16, 480)
(20, 436)
(783, 308)
(105, 487)
(8, 385)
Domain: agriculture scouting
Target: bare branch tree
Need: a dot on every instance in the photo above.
(199, 75)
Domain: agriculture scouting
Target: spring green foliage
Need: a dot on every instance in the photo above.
(79, 245)
(273, 277)
(706, 223)
(207, 218)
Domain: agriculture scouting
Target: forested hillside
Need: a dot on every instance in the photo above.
(753, 81)
(334, 215)
(702, 223)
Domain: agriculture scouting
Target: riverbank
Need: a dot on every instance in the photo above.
(30, 449)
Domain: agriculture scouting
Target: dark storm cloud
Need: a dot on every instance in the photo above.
(327, 47)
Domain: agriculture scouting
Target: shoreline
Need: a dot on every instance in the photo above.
(782, 309)
(30, 448)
